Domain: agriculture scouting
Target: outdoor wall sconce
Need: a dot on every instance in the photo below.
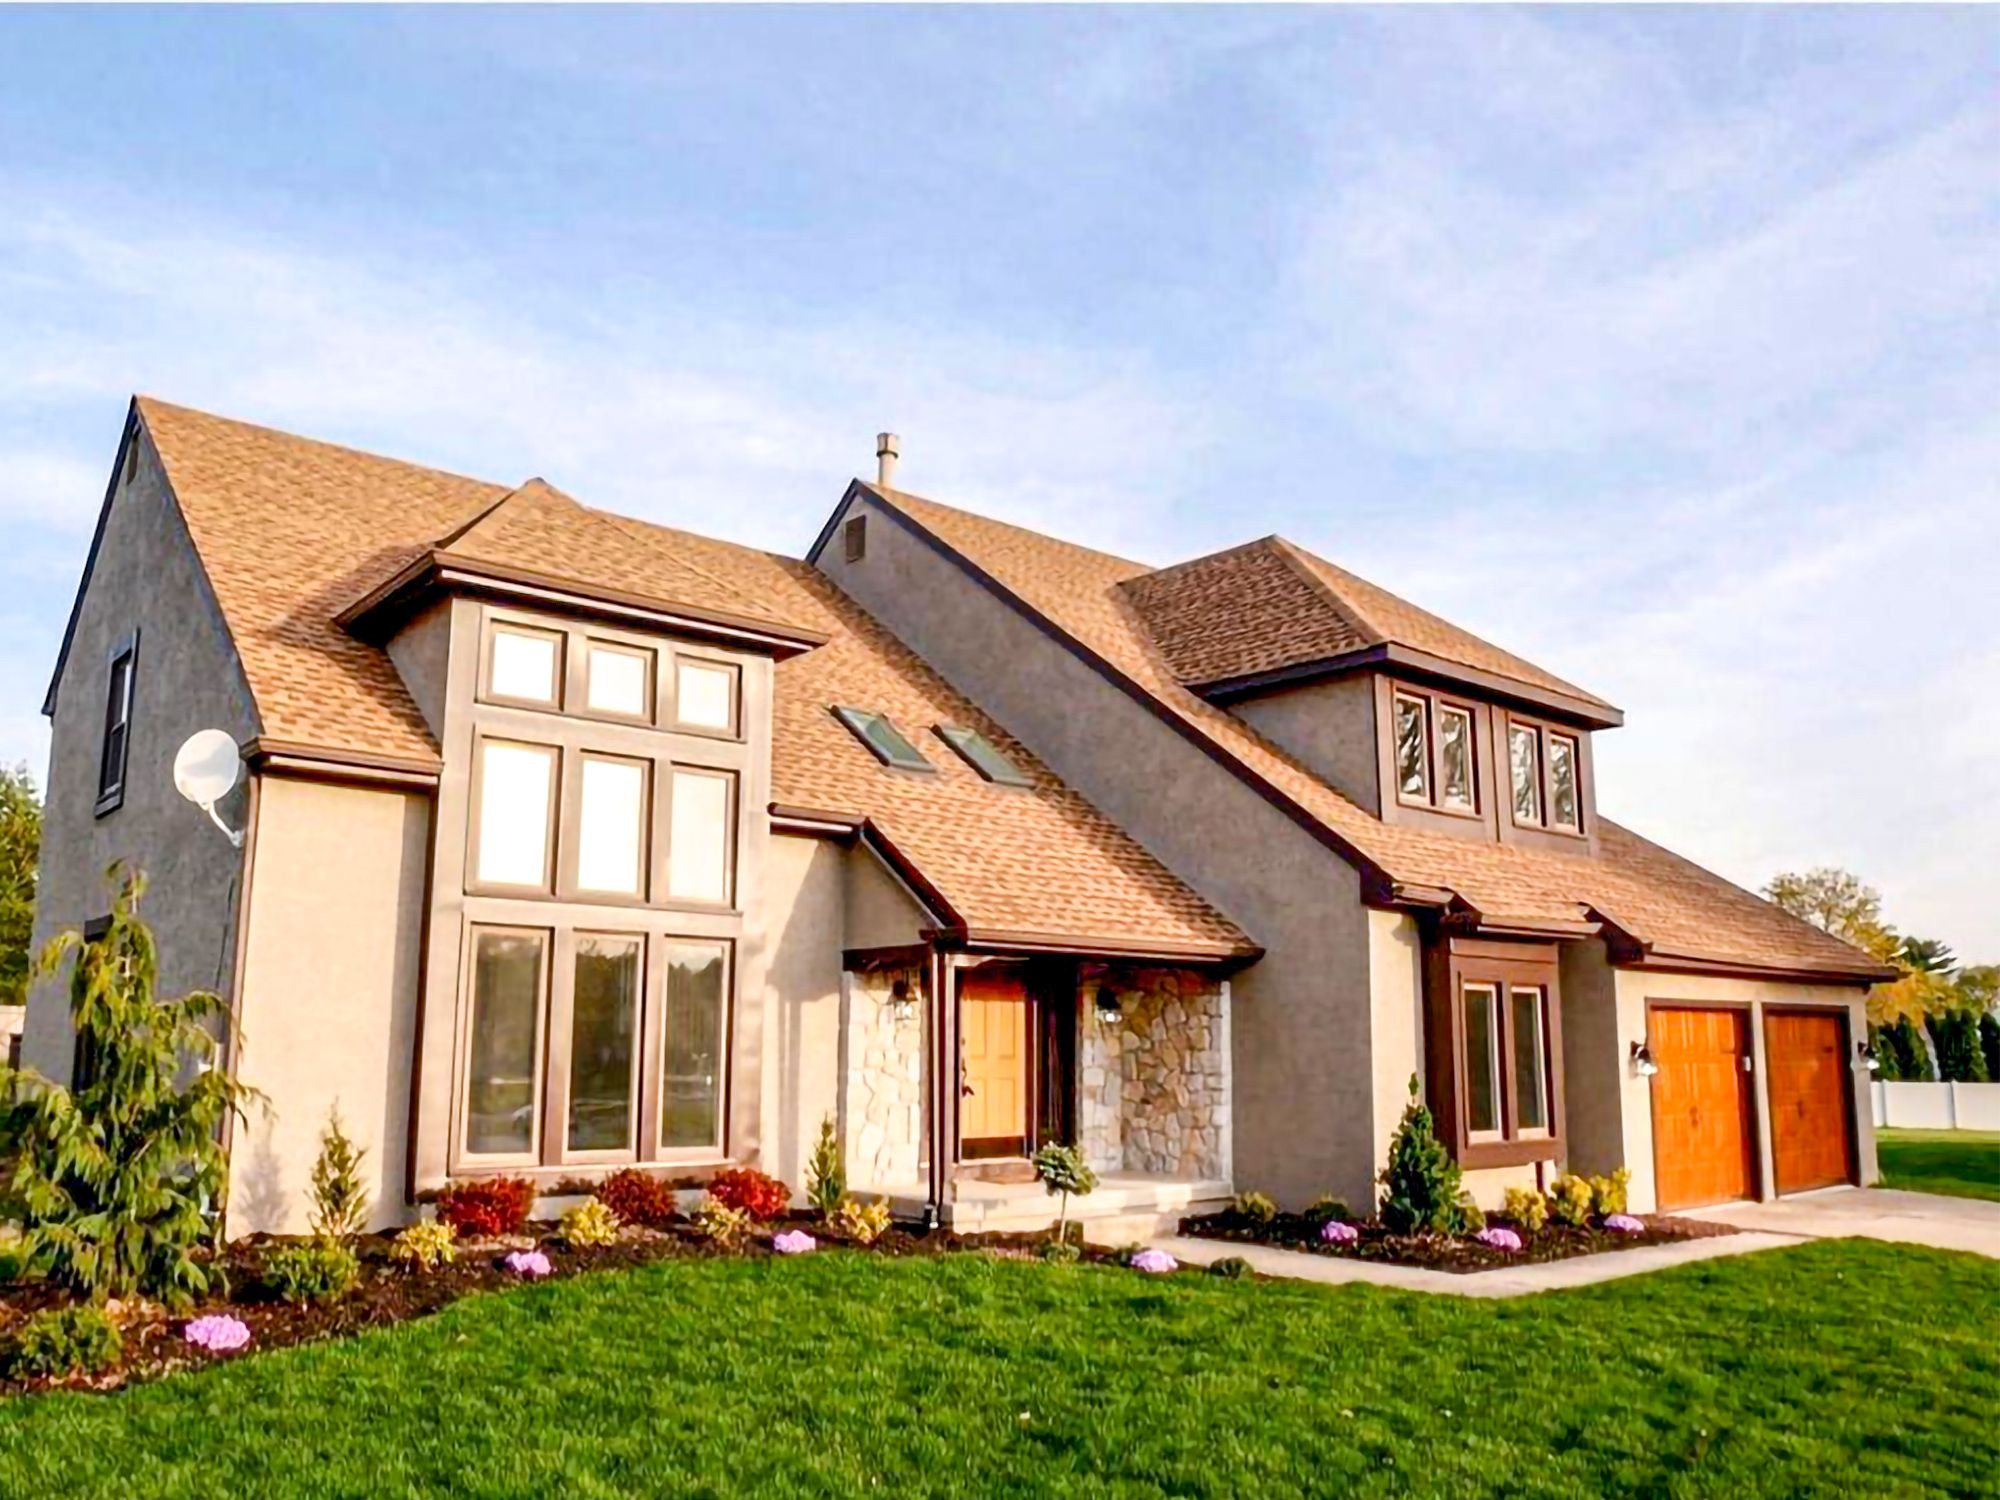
(1109, 1007)
(1865, 1057)
(902, 1000)
(1642, 1060)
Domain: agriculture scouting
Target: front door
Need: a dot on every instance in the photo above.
(1810, 1091)
(993, 1104)
(1704, 1145)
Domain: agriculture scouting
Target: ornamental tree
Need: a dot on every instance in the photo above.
(1063, 1170)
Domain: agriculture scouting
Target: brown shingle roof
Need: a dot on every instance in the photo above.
(1665, 903)
(291, 532)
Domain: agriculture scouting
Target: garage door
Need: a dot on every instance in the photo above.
(1810, 1093)
(1704, 1148)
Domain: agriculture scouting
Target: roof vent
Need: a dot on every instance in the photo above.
(888, 448)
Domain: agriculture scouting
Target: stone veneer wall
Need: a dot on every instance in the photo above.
(1153, 1092)
(882, 1099)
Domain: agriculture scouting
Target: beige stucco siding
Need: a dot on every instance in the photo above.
(1305, 1094)
(881, 912)
(331, 964)
(804, 886)
(1396, 990)
(145, 578)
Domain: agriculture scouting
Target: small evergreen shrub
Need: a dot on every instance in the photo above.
(721, 1222)
(826, 1175)
(1913, 1057)
(1258, 1208)
(1233, 1267)
(590, 1222)
(1956, 1036)
(1570, 1200)
(1327, 1209)
(425, 1246)
(1421, 1188)
(1989, 1044)
(1471, 1217)
(757, 1194)
(313, 1271)
(1526, 1208)
(339, 1199)
(864, 1223)
(1059, 1252)
(76, 1340)
(639, 1198)
(482, 1207)
(1607, 1194)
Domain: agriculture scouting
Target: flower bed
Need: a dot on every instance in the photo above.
(1437, 1252)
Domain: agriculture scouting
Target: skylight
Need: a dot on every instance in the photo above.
(885, 739)
(983, 755)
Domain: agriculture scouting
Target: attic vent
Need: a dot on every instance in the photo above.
(854, 538)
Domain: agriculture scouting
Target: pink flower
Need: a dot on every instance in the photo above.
(794, 1242)
(529, 1263)
(1153, 1262)
(1333, 1232)
(218, 1333)
(1624, 1224)
(1499, 1239)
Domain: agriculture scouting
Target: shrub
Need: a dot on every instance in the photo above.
(758, 1195)
(1059, 1252)
(482, 1207)
(826, 1177)
(1256, 1207)
(114, 1176)
(1913, 1057)
(639, 1198)
(1989, 1044)
(339, 1200)
(425, 1246)
(1327, 1209)
(1607, 1194)
(1421, 1191)
(721, 1222)
(1956, 1035)
(1232, 1268)
(313, 1271)
(78, 1340)
(1570, 1199)
(590, 1222)
(864, 1223)
(1471, 1217)
(1526, 1208)
(1063, 1170)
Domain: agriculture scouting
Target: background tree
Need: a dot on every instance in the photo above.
(1956, 1035)
(1913, 1058)
(1838, 902)
(1989, 1045)
(20, 850)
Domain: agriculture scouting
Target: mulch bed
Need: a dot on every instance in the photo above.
(387, 1294)
(1440, 1252)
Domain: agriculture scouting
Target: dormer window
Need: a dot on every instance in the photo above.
(983, 755)
(1546, 777)
(884, 739)
(1435, 755)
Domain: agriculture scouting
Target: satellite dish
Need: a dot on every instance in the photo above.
(206, 767)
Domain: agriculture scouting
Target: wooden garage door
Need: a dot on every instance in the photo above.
(1810, 1091)
(1704, 1148)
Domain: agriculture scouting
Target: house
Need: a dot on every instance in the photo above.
(574, 842)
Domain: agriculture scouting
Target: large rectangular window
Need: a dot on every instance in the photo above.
(699, 844)
(503, 1069)
(1413, 753)
(1531, 1061)
(1482, 1059)
(1455, 760)
(705, 694)
(116, 747)
(611, 826)
(1565, 806)
(693, 1047)
(516, 795)
(618, 680)
(603, 1031)
(1493, 1048)
(1524, 764)
(524, 665)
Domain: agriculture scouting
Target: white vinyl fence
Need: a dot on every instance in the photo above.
(1938, 1106)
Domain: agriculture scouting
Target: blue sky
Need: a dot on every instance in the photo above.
(1660, 346)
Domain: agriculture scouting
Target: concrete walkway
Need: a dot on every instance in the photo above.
(1872, 1213)
(1546, 1276)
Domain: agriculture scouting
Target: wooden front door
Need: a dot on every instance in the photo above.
(993, 1103)
(1704, 1142)
(1811, 1144)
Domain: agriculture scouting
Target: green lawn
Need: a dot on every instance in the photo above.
(1842, 1368)
(1963, 1163)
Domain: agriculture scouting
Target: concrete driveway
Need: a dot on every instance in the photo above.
(1871, 1213)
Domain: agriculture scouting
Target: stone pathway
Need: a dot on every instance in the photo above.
(1545, 1276)
(1872, 1213)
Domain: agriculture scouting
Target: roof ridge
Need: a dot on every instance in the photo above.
(466, 528)
(1295, 557)
(892, 495)
(154, 403)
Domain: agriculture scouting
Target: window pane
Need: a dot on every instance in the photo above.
(1562, 781)
(1413, 772)
(983, 755)
(1531, 1099)
(1482, 1058)
(1524, 761)
(603, 1016)
(698, 856)
(705, 694)
(117, 719)
(620, 681)
(611, 826)
(506, 1004)
(1455, 757)
(692, 1052)
(524, 666)
(514, 813)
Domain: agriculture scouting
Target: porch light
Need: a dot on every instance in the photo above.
(1109, 1006)
(1642, 1060)
(1865, 1057)
(902, 999)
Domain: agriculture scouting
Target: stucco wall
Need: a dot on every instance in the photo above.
(1330, 727)
(1305, 1100)
(881, 913)
(803, 886)
(146, 577)
(1396, 989)
(1596, 1047)
(328, 1013)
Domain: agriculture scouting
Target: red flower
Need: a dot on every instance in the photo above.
(485, 1206)
(759, 1196)
(638, 1197)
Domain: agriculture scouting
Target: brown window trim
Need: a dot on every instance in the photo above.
(721, 663)
(585, 646)
(495, 624)
(1451, 962)
(1544, 731)
(553, 819)
(1433, 704)
(118, 716)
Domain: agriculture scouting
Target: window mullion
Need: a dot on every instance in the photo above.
(556, 1048)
